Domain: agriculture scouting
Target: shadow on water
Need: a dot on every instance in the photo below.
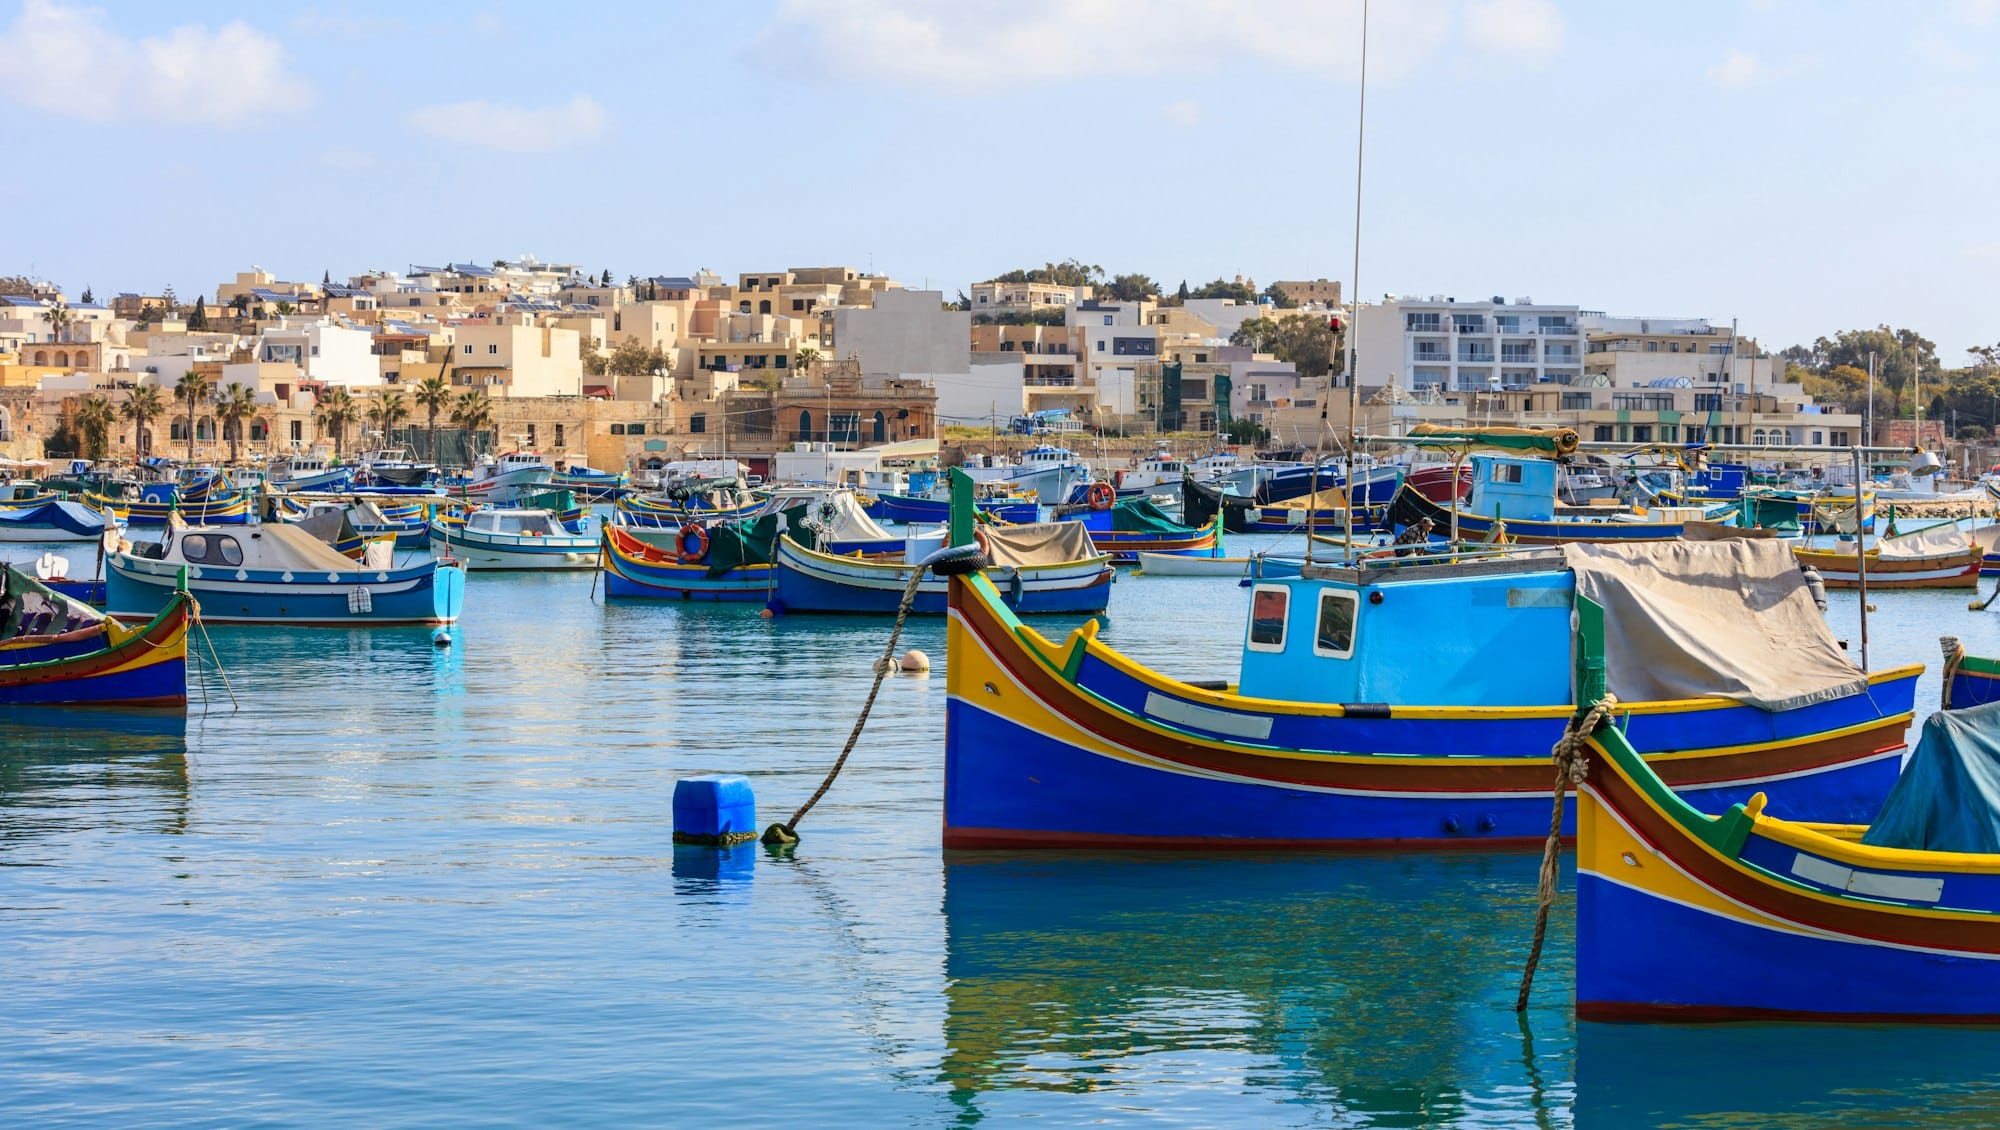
(75, 769)
(1310, 981)
(1786, 1075)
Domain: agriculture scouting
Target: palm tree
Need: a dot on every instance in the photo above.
(94, 418)
(473, 411)
(234, 405)
(192, 389)
(337, 410)
(389, 410)
(804, 361)
(59, 318)
(143, 405)
(434, 394)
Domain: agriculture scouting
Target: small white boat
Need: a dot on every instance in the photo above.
(1176, 565)
(307, 471)
(505, 479)
(514, 539)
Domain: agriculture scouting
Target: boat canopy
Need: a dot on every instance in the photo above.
(1948, 798)
(1039, 543)
(1935, 541)
(1560, 442)
(1728, 618)
(278, 546)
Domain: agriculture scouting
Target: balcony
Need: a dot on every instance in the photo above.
(1518, 356)
(1557, 331)
(1049, 382)
(1475, 356)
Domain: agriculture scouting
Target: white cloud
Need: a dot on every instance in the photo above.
(1531, 30)
(1738, 68)
(518, 129)
(1182, 112)
(1979, 13)
(972, 48)
(71, 61)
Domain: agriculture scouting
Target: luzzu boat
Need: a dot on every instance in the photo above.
(1686, 916)
(590, 483)
(210, 501)
(278, 574)
(1942, 557)
(920, 509)
(1050, 567)
(55, 650)
(635, 569)
(1135, 525)
(503, 479)
(1515, 497)
(1414, 704)
(668, 513)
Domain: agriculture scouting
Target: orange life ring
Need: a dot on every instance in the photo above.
(691, 547)
(984, 543)
(1101, 496)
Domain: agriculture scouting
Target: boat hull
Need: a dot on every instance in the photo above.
(95, 666)
(1949, 571)
(910, 510)
(1070, 746)
(484, 551)
(634, 569)
(1178, 565)
(426, 593)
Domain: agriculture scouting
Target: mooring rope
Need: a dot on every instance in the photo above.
(786, 833)
(1571, 767)
(215, 660)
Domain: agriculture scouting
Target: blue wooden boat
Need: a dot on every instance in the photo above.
(51, 522)
(55, 650)
(210, 501)
(278, 574)
(1518, 495)
(1394, 704)
(514, 538)
(1134, 526)
(635, 569)
(591, 483)
(667, 513)
(1746, 915)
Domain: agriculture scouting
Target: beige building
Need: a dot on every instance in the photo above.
(1018, 298)
(1314, 292)
(510, 356)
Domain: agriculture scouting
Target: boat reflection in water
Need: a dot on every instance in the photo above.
(1250, 990)
(114, 769)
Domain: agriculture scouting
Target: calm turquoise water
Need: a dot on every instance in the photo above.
(404, 886)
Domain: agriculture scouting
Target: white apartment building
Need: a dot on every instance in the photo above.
(1114, 342)
(1021, 297)
(1449, 345)
(323, 350)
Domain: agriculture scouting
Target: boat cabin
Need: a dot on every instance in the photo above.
(1472, 634)
(516, 523)
(1513, 488)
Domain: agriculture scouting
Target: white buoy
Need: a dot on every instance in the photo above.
(915, 661)
(441, 638)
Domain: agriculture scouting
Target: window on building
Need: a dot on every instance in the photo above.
(1841, 439)
(531, 435)
(1576, 401)
(559, 436)
(1107, 319)
(805, 424)
(698, 423)
(1642, 433)
(1268, 606)
(315, 351)
(298, 431)
(468, 347)
(1100, 345)
(493, 348)
(881, 428)
(1819, 440)
(1670, 433)
(1708, 402)
(258, 431)
(779, 363)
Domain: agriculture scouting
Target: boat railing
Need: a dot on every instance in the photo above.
(1379, 564)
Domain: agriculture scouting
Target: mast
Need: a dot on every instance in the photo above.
(1354, 298)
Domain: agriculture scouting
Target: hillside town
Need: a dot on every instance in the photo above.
(592, 370)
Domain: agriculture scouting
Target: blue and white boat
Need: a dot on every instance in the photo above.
(1049, 473)
(498, 481)
(514, 538)
(307, 471)
(52, 521)
(591, 483)
(278, 574)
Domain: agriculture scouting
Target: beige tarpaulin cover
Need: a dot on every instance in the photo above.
(1040, 543)
(1729, 618)
(283, 547)
(1945, 540)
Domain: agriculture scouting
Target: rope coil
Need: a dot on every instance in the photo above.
(1572, 766)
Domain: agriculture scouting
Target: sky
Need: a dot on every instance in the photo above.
(1799, 167)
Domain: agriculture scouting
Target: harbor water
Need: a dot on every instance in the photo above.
(405, 885)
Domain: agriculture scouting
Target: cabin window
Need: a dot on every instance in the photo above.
(211, 549)
(1505, 473)
(1268, 607)
(1335, 637)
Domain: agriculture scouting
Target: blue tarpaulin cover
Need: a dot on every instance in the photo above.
(1948, 798)
(68, 517)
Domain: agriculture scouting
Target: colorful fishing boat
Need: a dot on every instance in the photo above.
(668, 512)
(921, 509)
(308, 471)
(209, 501)
(51, 522)
(1516, 497)
(502, 479)
(1048, 567)
(278, 574)
(1132, 526)
(1746, 915)
(590, 483)
(636, 569)
(1943, 557)
(1413, 704)
(55, 650)
(514, 538)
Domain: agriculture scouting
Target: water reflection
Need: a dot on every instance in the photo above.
(1377, 988)
(74, 769)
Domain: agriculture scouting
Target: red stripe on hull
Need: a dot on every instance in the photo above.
(980, 839)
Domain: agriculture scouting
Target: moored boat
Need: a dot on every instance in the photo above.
(636, 569)
(55, 650)
(1181, 565)
(278, 574)
(1747, 915)
(52, 522)
(514, 538)
(1406, 704)
(1945, 557)
(1047, 567)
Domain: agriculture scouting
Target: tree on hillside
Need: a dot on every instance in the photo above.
(631, 359)
(93, 421)
(169, 303)
(1132, 288)
(141, 408)
(198, 317)
(433, 394)
(1302, 339)
(1901, 356)
(235, 406)
(606, 279)
(1069, 272)
(1243, 292)
(1182, 293)
(88, 296)
(335, 411)
(192, 390)
(1279, 298)
(16, 285)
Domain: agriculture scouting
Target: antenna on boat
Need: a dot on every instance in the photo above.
(1354, 298)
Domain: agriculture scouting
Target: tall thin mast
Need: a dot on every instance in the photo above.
(1354, 296)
